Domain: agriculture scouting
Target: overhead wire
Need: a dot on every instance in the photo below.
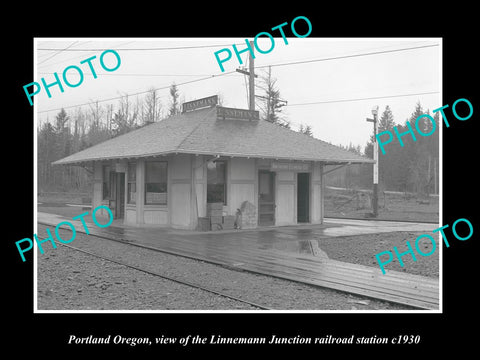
(138, 93)
(58, 52)
(138, 74)
(361, 99)
(77, 56)
(273, 65)
(143, 49)
(347, 56)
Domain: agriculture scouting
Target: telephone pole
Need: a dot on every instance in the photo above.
(251, 79)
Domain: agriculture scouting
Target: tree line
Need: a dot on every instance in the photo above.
(412, 168)
(81, 128)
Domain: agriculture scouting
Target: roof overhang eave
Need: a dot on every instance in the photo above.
(218, 153)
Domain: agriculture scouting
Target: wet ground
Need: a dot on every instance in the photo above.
(302, 239)
(338, 254)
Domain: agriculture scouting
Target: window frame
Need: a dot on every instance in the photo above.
(165, 183)
(130, 181)
(225, 164)
(106, 182)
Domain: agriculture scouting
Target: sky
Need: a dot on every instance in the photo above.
(331, 84)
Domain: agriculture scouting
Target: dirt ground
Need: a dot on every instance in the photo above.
(361, 249)
(401, 207)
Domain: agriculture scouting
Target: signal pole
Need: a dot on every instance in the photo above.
(375, 158)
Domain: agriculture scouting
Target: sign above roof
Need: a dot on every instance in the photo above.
(200, 103)
(225, 113)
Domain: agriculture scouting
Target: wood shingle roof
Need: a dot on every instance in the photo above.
(200, 132)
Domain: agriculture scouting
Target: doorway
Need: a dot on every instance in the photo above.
(117, 194)
(266, 198)
(303, 197)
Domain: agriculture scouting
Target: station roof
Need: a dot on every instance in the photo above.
(202, 132)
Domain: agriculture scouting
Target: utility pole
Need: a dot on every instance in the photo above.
(375, 158)
(251, 79)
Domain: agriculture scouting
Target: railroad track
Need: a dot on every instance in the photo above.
(183, 282)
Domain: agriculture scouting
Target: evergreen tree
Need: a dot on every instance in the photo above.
(307, 130)
(60, 120)
(270, 103)
(386, 121)
(386, 167)
(174, 105)
(416, 153)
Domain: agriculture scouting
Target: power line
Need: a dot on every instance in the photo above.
(106, 74)
(142, 49)
(282, 64)
(347, 56)
(299, 104)
(78, 56)
(361, 99)
(58, 52)
(127, 49)
(138, 93)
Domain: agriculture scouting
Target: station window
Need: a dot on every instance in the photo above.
(216, 183)
(106, 182)
(156, 182)
(132, 184)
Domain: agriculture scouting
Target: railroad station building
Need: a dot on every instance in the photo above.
(212, 165)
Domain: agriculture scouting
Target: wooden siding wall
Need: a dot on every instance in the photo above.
(241, 183)
(184, 206)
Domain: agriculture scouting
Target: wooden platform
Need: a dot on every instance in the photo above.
(249, 250)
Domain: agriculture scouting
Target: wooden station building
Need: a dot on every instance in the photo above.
(212, 163)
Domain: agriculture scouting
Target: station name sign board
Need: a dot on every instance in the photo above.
(200, 103)
(291, 166)
(237, 114)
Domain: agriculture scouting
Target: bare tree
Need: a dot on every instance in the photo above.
(125, 119)
(96, 113)
(97, 131)
(152, 107)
